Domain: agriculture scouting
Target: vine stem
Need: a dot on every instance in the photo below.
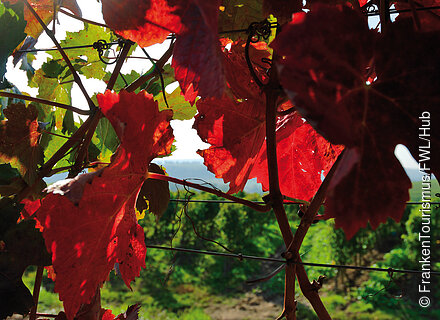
(63, 54)
(74, 16)
(46, 169)
(82, 153)
(306, 221)
(384, 14)
(272, 90)
(312, 210)
(250, 204)
(43, 101)
(146, 77)
(36, 292)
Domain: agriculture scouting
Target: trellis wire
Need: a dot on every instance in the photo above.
(395, 11)
(262, 202)
(241, 257)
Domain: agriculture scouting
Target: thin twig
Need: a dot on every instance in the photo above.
(36, 292)
(64, 55)
(83, 150)
(43, 101)
(59, 154)
(250, 204)
(119, 63)
(149, 75)
(84, 145)
(384, 14)
(310, 293)
(74, 16)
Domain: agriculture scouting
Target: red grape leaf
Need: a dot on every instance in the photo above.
(196, 57)
(326, 75)
(199, 71)
(19, 140)
(429, 19)
(237, 74)
(144, 22)
(303, 157)
(282, 9)
(235, 127)
(236, 131)
(44, 9)
(90, 221)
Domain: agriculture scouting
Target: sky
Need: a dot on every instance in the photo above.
(187, 140)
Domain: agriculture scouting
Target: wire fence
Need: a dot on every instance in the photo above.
(242, 257)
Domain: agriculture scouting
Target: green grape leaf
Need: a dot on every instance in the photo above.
(52, 89)
(53, 143)
(23, 246)
(120, 83)
(10, 180)
(14, 23)
(7, 173)
(90, 65)
(182, 109)
(68, 123)
(107, 140)
(52, 68)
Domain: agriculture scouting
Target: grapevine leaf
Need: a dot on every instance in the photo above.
(10, 180)
(44, 9)
(182, 110)
(52, 89)
(199, 72)
(238, 15)
(23, 246)
(107, 139)
(144, 22)
(303, 156)
(429, 19)
(54, 142)
(19, 140)
(235, 127)
(14, 23)
(236, 131)
(120, 83)
(93, 215)
(90, 65)
(132, 313)
(154, 195)
(282, 9)
(326, 77)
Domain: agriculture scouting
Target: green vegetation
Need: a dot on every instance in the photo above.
(181, 285)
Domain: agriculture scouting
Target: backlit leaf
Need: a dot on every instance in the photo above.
(326, 76)
(154, 195)
(239, 14)
(182, 109)
(19, 140)
(90, 222)
(14, 23)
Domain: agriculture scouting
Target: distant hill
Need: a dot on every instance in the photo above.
(415, 193)
(195, 169)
